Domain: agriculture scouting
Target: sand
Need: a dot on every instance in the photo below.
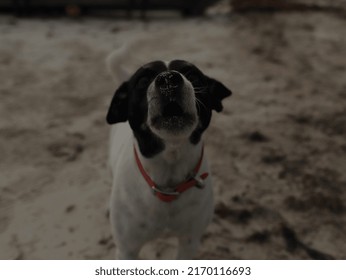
(277, 150)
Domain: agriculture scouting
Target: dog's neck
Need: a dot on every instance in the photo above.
(174, 164)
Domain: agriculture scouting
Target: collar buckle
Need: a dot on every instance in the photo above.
(199, 182)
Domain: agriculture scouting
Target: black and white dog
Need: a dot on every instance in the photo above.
(161, 180)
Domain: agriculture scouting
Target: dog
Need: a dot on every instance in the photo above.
(161, 177)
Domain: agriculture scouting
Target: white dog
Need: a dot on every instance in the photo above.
(161, 178)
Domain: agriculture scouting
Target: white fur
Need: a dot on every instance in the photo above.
(137, 216)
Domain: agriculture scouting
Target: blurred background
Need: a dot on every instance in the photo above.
(277, 150)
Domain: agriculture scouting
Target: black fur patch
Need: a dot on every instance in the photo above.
(209, 93)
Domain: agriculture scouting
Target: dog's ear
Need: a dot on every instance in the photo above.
(217, 93)
(118, 110)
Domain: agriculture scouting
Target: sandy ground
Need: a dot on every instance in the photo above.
(277, 151)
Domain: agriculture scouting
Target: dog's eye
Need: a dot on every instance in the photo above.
(143, 82)
(193, 77)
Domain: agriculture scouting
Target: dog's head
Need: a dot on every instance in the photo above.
(163, 102)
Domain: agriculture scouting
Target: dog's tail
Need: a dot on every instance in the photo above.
(122, 61)
(115, 63)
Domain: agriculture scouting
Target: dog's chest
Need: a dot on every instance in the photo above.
(136, 200)
(176, 217)
(133, 200)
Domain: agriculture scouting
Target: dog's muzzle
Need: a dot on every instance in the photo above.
(171, 104)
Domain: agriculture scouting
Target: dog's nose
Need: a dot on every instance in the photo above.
(169, 80)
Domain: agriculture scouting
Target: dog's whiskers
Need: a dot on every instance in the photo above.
(199, 103)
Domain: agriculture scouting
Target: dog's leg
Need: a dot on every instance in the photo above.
(128, 253)
(128, 243)
(128, 239)
(188, 247)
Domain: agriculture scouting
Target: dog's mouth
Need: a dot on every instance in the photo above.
(172, 109)
(173, 118)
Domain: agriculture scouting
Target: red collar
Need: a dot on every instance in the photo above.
(194, 181)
